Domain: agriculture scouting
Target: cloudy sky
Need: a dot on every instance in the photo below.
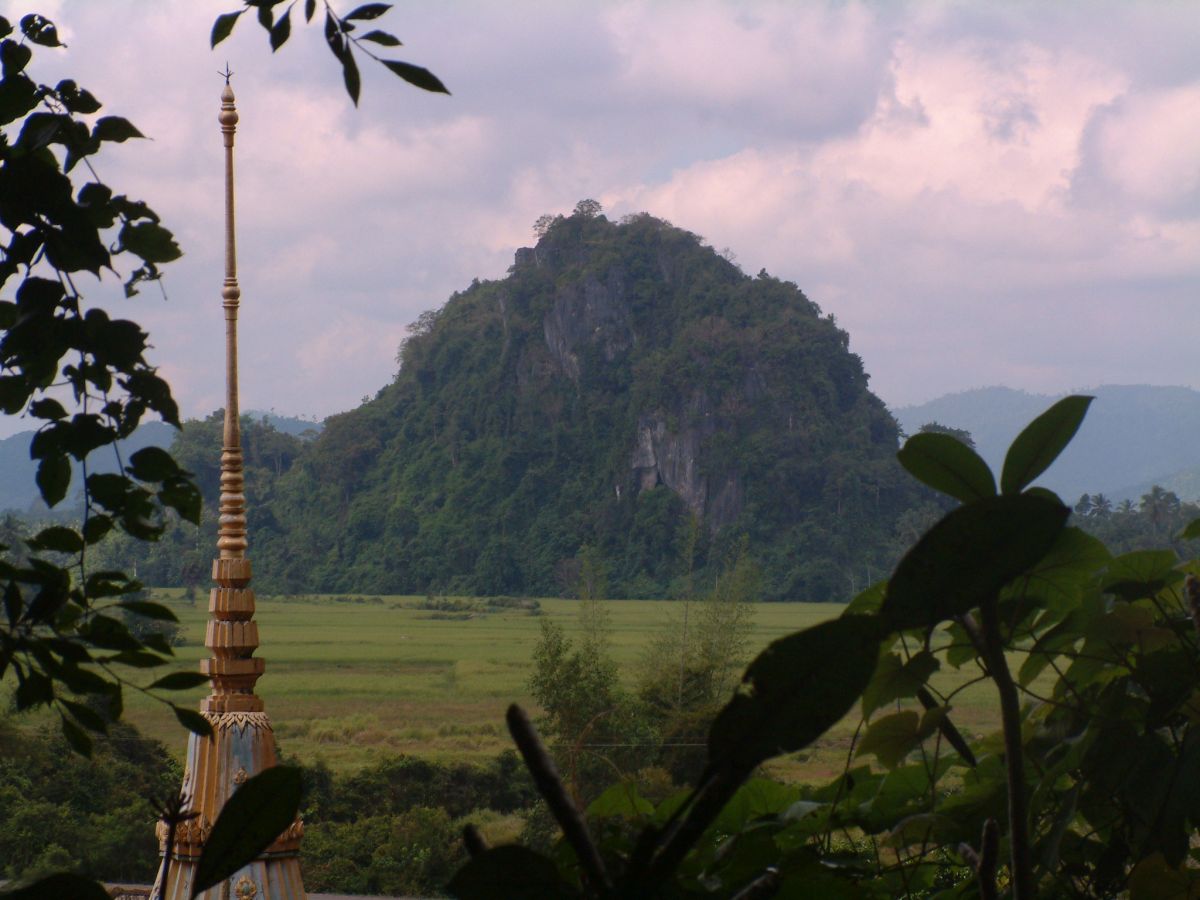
(980, 193)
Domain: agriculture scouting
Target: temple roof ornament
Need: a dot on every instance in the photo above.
(242, 743)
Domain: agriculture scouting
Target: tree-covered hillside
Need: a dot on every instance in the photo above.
(622, 377)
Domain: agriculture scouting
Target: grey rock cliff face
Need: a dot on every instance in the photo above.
(592, 312)
(673, 458)
(668, 447)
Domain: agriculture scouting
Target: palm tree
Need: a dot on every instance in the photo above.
(1159, 505)
(1101, 507)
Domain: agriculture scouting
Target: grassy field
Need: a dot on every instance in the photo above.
(350, 679)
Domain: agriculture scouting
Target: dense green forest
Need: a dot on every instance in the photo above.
(621, 379)
(390, 828)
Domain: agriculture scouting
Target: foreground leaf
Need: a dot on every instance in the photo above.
(948, 465)
(970, 555)
(53, 478)
(58, 538)
(223, 26)
(890, 738)
(179, 681)
(895, 679)
(1060, 577)
(794, 691)
(1141, 573)
(193, 721)
(1041, 442)
(416, 76)
(369, 11)
(257, 813)
(149, 610)
(1155, 879)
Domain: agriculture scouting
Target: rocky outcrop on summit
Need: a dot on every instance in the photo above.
(588, 312)
(620, 380)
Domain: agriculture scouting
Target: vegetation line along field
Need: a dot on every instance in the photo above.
(354, 677)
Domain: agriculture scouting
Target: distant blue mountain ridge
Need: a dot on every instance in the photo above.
(1134, 436)
(19, 493)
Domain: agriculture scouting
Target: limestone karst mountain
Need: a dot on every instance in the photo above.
(620, 379)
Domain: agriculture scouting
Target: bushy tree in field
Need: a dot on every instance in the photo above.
(693, 661)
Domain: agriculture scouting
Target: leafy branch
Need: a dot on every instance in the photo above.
(59, 645)
(341, 37)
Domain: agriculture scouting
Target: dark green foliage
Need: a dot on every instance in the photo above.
(391, 828)
(56, 643)
(409, 853)
(182, 555)
(595, 726)
(61, 811)
(398, 783)
(1158, 519)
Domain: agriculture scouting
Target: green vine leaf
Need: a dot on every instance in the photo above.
(115, 129)
(281, 30)
(369, 11)
(382, 38)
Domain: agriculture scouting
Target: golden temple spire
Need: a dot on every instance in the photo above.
(232, 636)
(242, 743)
(232, 533)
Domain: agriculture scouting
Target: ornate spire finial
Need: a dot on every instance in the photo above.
(232, 532)
(232, 635)
(242, 743)
(226, 74)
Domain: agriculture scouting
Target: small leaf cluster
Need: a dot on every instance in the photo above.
(84, 376)
(342, 36)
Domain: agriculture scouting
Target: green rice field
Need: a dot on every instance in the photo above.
(349, 680)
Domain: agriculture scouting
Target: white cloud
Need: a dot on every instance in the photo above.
(1142, 150)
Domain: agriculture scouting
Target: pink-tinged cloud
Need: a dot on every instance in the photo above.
(980, 193)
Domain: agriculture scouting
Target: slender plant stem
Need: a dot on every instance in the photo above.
(1014, 758)
(550, 786)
